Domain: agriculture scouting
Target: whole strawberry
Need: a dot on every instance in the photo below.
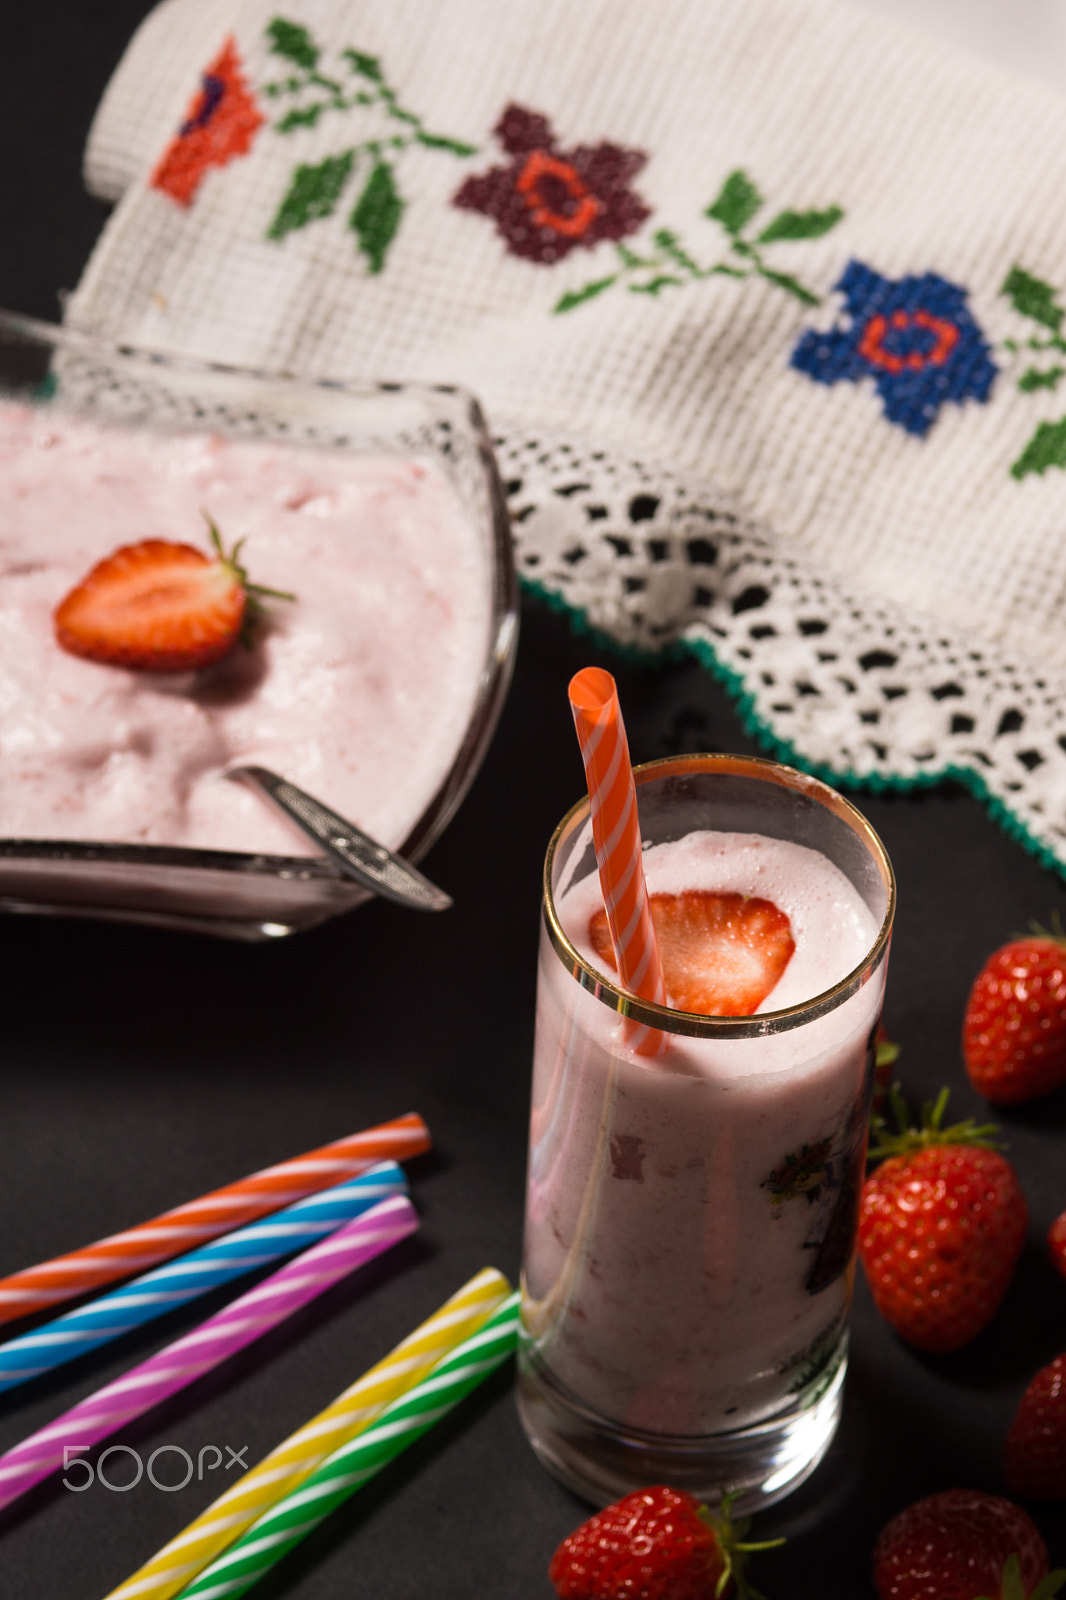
(963, 1545)
(1034, 1461)
(1014, 1028)
(654, 1544)
(941, 1226)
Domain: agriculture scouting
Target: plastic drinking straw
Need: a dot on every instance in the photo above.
(155, 1293)
(287, 1466)
(123, 1254)
(616, 834)
(180, 1363)
(347, 1469)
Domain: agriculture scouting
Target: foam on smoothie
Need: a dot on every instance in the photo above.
(832, 926)
(359, 691)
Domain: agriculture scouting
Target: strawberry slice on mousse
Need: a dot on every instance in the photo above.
(721, 953)
(159, 606)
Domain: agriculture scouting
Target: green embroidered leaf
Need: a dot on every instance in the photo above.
(663, 281)
(377, 215)
(800, 225)
(436, 141)
(1047, 448)
(313, 193)
(628, 257)
(785, 281)
(1034, 379)
(671, 245)
(736, 204)
(292, 41)
(577, 297)
(1033, 298)
(302, 117)
(366, 66)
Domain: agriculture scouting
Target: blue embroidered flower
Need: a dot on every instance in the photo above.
(914, 336)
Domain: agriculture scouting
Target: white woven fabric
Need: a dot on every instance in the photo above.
(825, 255)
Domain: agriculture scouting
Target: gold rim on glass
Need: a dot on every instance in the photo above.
(694, 1024)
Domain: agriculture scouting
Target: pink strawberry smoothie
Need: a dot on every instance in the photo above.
(691, 1216)
(359, 690)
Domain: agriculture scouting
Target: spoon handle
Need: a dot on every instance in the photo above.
(359, 856)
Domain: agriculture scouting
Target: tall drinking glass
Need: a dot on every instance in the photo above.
(691, 1215)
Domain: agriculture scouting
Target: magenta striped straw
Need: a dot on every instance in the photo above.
(182, 1362)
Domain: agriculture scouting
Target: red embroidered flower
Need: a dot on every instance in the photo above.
(220, 124)
(547, 200)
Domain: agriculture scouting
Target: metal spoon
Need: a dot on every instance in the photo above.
(357, 855)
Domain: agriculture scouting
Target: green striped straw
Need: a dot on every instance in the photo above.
(401, 1424)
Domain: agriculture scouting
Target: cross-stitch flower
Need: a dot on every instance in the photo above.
(915, 336)
(547, 200)
(220, 124)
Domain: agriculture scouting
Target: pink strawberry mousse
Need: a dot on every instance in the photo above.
(359, 691)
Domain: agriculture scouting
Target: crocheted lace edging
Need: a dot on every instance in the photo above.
(851, 688)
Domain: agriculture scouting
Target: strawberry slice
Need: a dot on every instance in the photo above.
(721, 953)
(158, 606)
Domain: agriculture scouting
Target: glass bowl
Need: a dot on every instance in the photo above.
(225, 892)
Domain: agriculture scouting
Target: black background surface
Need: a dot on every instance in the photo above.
(142, 1068)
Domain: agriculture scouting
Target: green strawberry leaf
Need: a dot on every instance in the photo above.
(1033, 298)
(1047, 448)
(313, 193)
(577, 297)
(293, 42)
(800, 225)
(930, 1131)
(1012, 1588)
(377, 215)
(736, 203)
(1034, 379)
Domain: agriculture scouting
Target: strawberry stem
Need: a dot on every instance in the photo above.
(231, 560)
(735, 1548)
(1012, 1588)
(908, 1138)
(887, 1053)
(1056, 933)
(252, 591)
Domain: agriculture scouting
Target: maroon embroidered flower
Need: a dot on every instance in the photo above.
(220, 124)
(547, 201)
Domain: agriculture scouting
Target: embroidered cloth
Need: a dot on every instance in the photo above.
(764, 299)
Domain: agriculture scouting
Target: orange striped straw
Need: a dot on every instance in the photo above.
(616, 834)
(123, 1254)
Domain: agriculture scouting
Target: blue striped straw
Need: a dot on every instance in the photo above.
(155, 1293)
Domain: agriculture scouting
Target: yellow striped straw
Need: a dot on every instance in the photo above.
(286, 1467)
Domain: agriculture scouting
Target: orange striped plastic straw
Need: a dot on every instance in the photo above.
(616, 834)
(123, 1254)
